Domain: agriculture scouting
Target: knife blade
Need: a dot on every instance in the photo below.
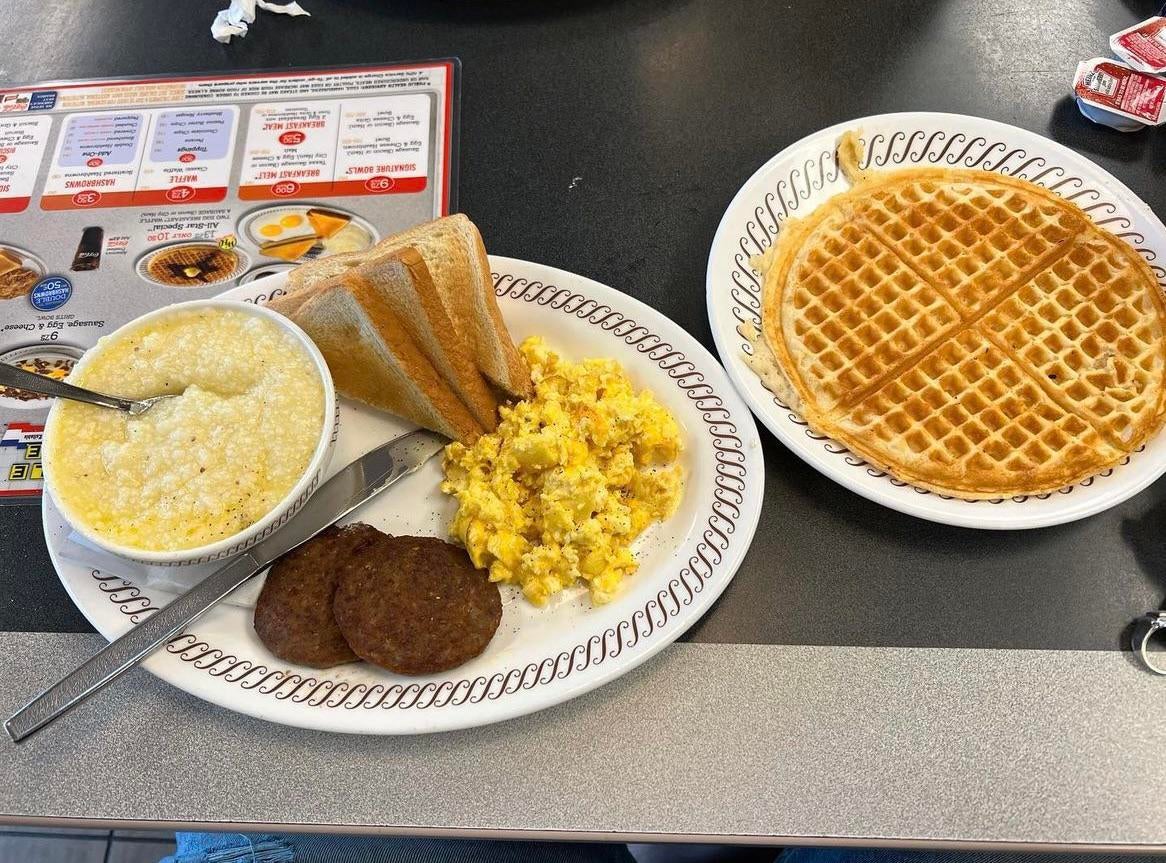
(350, 487)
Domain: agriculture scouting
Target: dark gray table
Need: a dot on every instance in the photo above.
(867, 676)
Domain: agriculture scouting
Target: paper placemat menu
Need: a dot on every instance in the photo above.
(121, 196)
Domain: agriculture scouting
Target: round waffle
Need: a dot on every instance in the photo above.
(969, 332)
(192, 264)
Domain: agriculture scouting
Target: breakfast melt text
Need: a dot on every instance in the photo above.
(199, 467)
(570, 477)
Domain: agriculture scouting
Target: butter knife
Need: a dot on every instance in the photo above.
(364, 478)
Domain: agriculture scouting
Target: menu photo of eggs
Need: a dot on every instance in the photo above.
(304, 232)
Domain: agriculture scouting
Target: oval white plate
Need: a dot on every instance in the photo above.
(802, 176)
(538, 657)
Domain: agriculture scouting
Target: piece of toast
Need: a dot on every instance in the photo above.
(453, 251)
(288, 304)
(373, 358)
(404, 283)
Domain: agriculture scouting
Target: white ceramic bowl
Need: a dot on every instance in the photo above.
(285, 509)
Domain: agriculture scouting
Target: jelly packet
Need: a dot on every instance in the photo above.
(1114, 94)
(1143, 46)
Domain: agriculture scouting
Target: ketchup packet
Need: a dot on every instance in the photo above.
(1143, 46)
(1112, 93)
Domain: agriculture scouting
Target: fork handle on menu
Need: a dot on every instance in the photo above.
(123, 653)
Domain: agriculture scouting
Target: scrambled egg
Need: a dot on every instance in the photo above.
(568, 480)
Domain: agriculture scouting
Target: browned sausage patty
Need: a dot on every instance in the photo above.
(293, 616)
(416, 605)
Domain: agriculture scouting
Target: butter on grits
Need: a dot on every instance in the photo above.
(568, 480)
(200, 467)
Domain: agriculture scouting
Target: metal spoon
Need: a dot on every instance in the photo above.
(11, 376)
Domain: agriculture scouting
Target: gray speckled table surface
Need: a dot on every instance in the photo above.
(754, 743)
(866, 678)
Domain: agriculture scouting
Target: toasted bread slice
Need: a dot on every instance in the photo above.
(456, 258)
(407, 286)
(374, 359)
(403, 282)
(471, 301)
(288, 304)
(325, 269)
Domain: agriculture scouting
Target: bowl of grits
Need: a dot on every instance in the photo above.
(208, 473)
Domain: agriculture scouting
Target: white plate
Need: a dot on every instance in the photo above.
(538, 657)
(803, 175)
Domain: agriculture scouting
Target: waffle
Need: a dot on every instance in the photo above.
(969, 333)
(189, 265)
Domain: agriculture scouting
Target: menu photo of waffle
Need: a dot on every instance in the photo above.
(192, 264)
(19, 272)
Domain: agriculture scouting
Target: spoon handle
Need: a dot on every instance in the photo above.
(11, 376)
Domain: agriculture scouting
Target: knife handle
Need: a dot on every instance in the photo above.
(122, 654)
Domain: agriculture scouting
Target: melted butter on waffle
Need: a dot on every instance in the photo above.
(969, 332)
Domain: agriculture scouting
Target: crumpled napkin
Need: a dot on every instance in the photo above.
(234, 20)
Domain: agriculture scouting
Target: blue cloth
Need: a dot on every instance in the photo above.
(231, 847)
(295, 848)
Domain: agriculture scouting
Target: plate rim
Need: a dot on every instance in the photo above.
(745, 380)
(172, 670)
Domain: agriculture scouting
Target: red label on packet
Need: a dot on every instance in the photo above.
(1143, 46)
(1121, 90)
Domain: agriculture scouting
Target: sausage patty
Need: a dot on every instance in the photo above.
(416, 605)
(293, 616)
